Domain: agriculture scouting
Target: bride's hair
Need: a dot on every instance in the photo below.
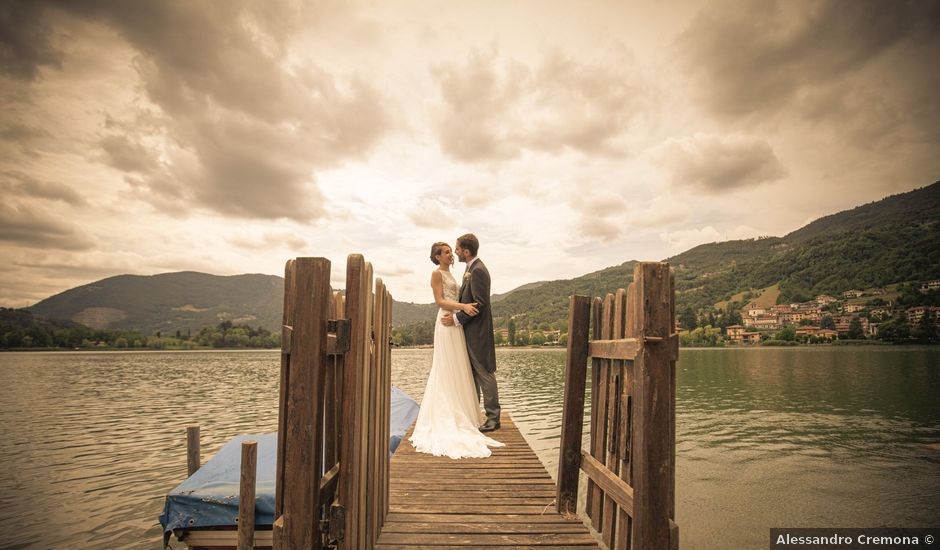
(436, 249)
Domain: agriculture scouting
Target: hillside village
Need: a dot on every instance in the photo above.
(854, 314)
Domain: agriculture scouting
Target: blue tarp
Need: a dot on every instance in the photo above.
(209, 498)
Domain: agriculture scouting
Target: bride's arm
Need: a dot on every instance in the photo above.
(437, 285)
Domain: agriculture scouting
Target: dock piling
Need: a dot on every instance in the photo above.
(246, 496)
(193, 459)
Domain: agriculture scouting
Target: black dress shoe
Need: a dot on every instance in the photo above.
(489, 426)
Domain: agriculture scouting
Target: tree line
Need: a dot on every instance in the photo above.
(19, 329)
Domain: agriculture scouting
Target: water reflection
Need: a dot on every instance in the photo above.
(785, 437)
(94, 441)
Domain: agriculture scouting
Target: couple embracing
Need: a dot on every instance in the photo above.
(464, 360)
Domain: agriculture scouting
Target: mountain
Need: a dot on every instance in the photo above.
(893, 240)
(170, 301)
(896, 239)
(185, 301)
(497, 297)
(548, 301)
(919, 204)
(405, 313)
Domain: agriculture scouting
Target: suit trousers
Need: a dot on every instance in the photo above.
(485, 382)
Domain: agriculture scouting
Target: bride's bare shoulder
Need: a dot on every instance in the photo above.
(436, 276)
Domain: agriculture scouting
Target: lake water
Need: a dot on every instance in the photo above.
(91, 442)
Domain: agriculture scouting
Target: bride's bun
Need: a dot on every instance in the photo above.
(436, 249)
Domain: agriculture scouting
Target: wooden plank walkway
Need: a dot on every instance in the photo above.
(504, 501)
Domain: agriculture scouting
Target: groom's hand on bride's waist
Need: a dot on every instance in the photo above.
(448, 319)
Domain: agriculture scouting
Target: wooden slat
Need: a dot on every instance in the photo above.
(411, 518)
(608, 521)
(476, 503)
(621, 349)
(364, 449)
(450, 492)
(288, 322)
(612, 485)
(594, 504)
(302, 458)
(488, 540)
(625, 517)
(477, 527)
(651, 457)
(246, 495)
(671, 439)
(579, 319)
(374, 429)
(351, 433)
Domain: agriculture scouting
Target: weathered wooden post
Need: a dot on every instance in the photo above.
(653, 478)
(193, 459)
(595, 498)
(609, 380)
(300, 434)
(569, 459)
(631, 462)
(350, 530)
(246, 496)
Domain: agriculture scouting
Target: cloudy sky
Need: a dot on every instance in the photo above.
(226, 137)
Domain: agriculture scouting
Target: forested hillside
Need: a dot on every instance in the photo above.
(895, 240)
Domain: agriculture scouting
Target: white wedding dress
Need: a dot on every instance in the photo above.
(449, 416)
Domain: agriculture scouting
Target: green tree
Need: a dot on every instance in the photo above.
(687, 319)
(787, 333)
(855, 329)
(926, 330)
(896, 331)
(827, 322)
(512, 332)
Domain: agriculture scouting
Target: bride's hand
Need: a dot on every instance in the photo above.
(470, 309)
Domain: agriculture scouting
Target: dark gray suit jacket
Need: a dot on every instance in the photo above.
(479, 328)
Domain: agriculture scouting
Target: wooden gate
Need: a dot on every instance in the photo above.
(333, 424)
(630, 465)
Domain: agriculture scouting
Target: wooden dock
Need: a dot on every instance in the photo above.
(338, 489)
(504, 501)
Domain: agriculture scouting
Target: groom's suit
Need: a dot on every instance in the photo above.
(479, 334)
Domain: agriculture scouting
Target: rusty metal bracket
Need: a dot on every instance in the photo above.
(671, 341)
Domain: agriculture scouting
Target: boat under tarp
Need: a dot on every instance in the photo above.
(207, 502)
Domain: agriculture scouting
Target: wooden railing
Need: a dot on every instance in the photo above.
(333, 425)
(630, 465)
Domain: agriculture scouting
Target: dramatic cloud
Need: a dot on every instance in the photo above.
(600, 212)
(493, 110)
(758, 55)
(432, 214)
(268, 240)
(15, 183)
(685, 239)
(245, 128)
(226, 136)
(719, 163)
(25, 226)
(25, 39)
(127, 155)
(21, 132)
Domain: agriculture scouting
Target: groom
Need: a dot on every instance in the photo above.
(479, 328)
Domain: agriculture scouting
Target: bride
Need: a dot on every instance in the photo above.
(449, 415)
